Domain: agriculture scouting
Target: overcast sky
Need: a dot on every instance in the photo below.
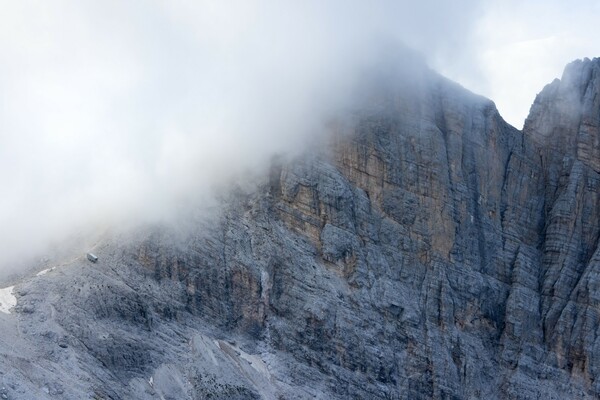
(517, 47)
(115, 110)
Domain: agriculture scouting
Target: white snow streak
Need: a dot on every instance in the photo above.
(7, 299)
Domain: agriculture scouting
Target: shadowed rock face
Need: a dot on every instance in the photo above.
(430, 251)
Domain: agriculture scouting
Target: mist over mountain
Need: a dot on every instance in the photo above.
(424, 249)
(258, 200)
(117, 115)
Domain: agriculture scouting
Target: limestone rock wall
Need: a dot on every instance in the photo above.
(434, 246)
(430, 250)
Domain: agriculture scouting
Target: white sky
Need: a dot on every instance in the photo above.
(113, 110)
(517, 47)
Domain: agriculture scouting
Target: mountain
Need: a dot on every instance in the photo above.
(429, 250)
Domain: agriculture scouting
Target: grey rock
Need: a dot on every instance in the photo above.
(430, 251)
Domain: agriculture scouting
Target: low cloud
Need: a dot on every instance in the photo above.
(115, 112)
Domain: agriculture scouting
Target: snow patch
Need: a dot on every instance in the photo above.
(44, 272)
(7, 299)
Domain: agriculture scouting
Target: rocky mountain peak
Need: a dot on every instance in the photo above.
(565, 117)
(581, 73)
(433, 251)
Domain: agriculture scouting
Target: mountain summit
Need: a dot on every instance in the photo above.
(431, 251)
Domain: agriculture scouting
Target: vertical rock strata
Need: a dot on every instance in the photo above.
(437, 252)
(433, 251)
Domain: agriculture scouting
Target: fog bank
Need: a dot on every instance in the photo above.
(117, 113)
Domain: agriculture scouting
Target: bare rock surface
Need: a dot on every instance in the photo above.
(431, 250)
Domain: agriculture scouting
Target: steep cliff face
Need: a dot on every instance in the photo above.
(430, 251)
(565, 122)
